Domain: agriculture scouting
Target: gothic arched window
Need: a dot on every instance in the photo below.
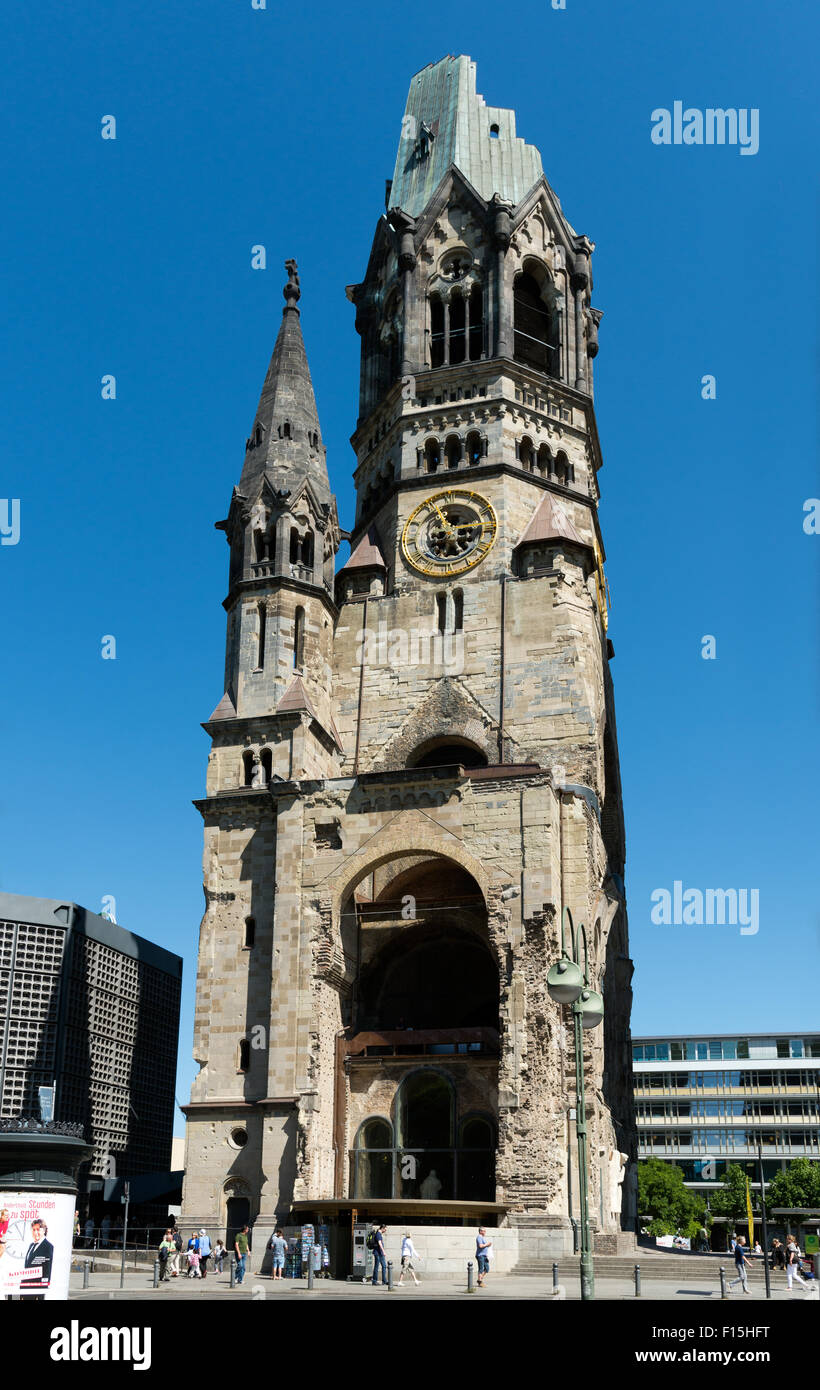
(472, 448)
(247, 765)
(535, 324)
(299, 639)
(526, 454)
(476, 334)
(267, 764)
(436, 332)
(432, 455)
(452, 450)
(307, 549)
(260, 649)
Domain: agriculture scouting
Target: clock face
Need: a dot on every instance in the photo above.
(449, 532)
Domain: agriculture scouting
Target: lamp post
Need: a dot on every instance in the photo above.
(568, 984)
(763, 1217)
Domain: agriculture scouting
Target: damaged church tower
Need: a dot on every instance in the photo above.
(414, 765)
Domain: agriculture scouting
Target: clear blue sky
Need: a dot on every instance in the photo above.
(132, 257)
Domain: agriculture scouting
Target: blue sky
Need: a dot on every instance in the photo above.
(239, 126)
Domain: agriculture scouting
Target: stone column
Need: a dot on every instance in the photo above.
(502, 232)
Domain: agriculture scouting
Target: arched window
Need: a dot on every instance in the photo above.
(267, 764)
(476, 1158)
(458, 610)
(260, 546)
(244, 1054)
(436, 332)
(441, 612)
(299, 639)
(247, 763)
(374, 1159)
(284, 430)
(476, 323)
(452, 450)
(536, 326)
(307, 549)
(262, 628)
(544, 460)
(525, 454)
(432, 455)
(425, 1110)
(250, 931)
(294, 546)
(472, 448)
(564, 471)
(458, 328)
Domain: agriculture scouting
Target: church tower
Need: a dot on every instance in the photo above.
(414, 765)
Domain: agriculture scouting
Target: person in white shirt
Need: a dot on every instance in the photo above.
(409, 1253)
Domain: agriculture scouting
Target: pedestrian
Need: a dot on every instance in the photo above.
(194, 1261)
(241, 1247)
(758, 1250)
(409, 1253)
(219, 1255)
(793, 1263)
(177, 1240)
(204, 1252)
(278, 1246)
(166, 1247)
(741, 1264)
(76, 1226)
(482, 1255)
(778, 1255)
(379, 1255)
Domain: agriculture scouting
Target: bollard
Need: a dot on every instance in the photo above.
(233, 1271)
(723, 1292)
(389, 1276)
(310, 1271)
(156, 1274)
(554, 1275)
(470, 1285)
(135, 1256)
(86, 1269)
(637, 1281)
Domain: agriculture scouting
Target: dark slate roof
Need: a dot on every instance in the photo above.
(287, 402)
(225, 709)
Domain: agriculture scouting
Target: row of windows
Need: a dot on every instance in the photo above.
(297, 653)
(301, 547)
(805, 1108)
(726, 1050)
(728, 1140)
(722, 1080)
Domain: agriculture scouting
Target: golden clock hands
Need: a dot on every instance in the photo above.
(441, 516)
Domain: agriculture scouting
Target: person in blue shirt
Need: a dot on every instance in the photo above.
(379, 1255)
(482, 1255)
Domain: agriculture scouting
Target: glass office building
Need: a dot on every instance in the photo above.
(705, 1102)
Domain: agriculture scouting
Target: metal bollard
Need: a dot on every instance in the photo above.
(86, 1271)
(554, 1274)
(310, 1271)
(470, 1284)
(233, 1271)
(637, 1281)
(723, 1292)
(156, 1274)
(389, 1276)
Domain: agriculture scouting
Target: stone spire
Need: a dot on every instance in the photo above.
(286, 441)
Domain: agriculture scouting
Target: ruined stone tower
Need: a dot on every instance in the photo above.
(414, 764)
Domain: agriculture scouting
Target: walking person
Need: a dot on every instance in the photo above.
(741, 1265)
(793, 1264)
(219, 1254)
(166, 1247)
(409, 1253)
(279, 1247)
(241, 1247)
(177, 1251)
(379, 1255)
(482, 1255)
(778, 1255)
(204, 1252)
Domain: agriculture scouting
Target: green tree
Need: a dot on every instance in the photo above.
(797, 1186)
(673, 1208)
(730, 1199)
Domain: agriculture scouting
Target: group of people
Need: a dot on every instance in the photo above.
(197, 1254)
(409, 1253)
(786, 1257)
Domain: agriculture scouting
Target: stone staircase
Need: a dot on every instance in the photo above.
(655, 1264)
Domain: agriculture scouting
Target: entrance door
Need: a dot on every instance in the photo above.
(238, 1215)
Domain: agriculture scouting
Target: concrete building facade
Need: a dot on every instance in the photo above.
(414, 762)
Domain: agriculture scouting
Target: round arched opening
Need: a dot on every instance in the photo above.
(444, 752)
(432, 978)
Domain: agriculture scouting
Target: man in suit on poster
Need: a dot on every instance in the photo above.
(39, 1257)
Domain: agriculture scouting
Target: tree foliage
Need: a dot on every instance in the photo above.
(797, 1186)
(673, 1208)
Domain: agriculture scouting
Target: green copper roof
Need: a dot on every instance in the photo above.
(443, 99)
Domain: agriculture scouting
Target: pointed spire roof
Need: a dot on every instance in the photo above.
(296, 698)
(285, 443)
(549, 522)
(224, 710)
(367, 554)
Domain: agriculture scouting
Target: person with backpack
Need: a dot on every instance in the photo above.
(166, 1246)
(741, 1264)
(379, 1255)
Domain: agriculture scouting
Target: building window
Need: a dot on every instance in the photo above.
(239, 1138)
(441, 612)
(458, 610)
(244, 1055)
(452, 450)
(457, 327)
(432, 455)
(260, 649)
(535, 325)
(494, 132)
(473, 448)
(250, 931)
(267, 764)
(247, 763)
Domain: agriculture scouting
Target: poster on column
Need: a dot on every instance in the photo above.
(36, 1231)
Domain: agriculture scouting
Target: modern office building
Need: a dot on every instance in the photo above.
(90, 1013)
(704, 1102)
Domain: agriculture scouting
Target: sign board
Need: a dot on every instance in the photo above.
(36, 1231)
(46, 1098)
(812, 1242)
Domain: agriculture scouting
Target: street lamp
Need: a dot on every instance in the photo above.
(567, 984)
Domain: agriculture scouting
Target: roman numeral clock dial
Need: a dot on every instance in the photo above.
(449, 533)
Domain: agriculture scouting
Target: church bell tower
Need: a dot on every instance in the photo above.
(414, 764)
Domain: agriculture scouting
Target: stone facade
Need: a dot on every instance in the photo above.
(414, 765)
